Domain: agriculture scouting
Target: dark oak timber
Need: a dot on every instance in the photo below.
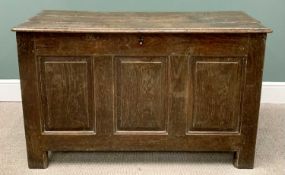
(141, 82)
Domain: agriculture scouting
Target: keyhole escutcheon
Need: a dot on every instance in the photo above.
(141, 40)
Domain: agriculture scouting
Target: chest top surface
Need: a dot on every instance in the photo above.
(142, 22)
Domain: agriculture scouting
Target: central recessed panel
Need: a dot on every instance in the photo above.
(141, 90)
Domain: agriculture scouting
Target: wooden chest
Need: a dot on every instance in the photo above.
(141, 82)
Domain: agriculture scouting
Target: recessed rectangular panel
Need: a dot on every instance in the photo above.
(141, 93)
(67, 93)
(216, 94)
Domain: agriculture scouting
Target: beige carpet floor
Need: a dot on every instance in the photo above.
(269, 160)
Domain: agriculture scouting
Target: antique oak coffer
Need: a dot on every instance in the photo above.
(95, 81)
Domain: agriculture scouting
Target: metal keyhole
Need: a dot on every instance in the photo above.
(141, 40)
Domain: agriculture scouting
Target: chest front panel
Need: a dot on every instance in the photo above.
(134, 83)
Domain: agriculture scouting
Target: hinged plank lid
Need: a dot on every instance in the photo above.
(142, 22)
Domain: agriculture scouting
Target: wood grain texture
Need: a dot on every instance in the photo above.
(169, 92)
(146, 22)
(178, 92)
(216, 94)
(141, 93)
(67, 93)
(128, 44)
(244, 157)
(36, 154)
(104, 94)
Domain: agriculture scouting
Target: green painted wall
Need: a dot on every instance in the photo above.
(270, 12)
